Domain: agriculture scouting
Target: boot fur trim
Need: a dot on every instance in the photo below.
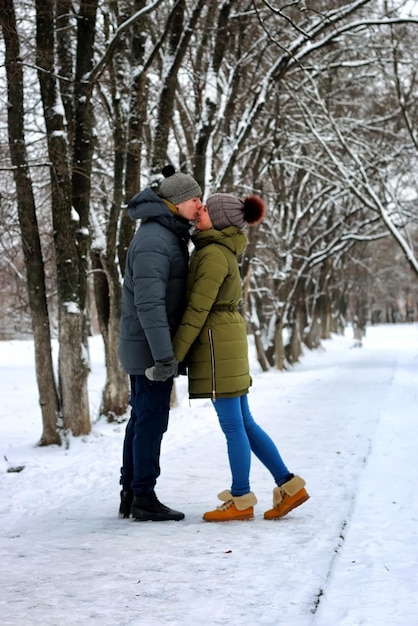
(290, 488)
(245, 501)
(225, 495)
(241, 502)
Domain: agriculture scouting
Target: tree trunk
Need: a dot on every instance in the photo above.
(261, 353)
(115, 397)
(294, 349)
(73, 367)
(83, 145)
(279, 348)
(312, 339)
(324, 308)
(48, 396)
(73, 371)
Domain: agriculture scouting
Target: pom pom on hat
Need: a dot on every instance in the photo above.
(167, 171)
(178, 187)
(225, 209)
(254, 210)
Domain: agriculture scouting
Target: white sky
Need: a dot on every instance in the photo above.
(344, 419)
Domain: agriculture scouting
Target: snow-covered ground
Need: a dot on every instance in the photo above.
(344, 418)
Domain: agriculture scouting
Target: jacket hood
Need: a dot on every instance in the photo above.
(146, 203)
(232, 237)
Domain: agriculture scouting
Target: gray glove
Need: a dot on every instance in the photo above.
(162, 370)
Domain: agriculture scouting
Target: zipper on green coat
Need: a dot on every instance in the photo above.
(212, 362)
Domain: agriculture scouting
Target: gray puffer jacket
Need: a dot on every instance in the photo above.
(154, 286)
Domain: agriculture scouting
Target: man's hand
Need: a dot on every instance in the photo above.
(162, 370)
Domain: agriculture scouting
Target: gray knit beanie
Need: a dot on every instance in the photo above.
(178, 187)
(225, 209)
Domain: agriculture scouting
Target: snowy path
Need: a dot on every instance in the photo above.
(345, 419)
(378, 560)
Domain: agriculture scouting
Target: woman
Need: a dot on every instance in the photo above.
(212, 339)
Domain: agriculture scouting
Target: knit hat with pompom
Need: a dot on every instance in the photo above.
(178, 187)
(225, 209)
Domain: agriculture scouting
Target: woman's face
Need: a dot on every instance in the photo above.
(203, 221)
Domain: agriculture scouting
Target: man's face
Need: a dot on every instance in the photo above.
(189, 209)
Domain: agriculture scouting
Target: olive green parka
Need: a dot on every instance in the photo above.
(212, 339)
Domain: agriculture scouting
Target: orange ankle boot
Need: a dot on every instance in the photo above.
(233, 508)
(287, 497)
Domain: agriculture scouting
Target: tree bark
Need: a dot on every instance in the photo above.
(279, 347)
(48, 395)
(83, 144)
(294, 348)
(73, 363)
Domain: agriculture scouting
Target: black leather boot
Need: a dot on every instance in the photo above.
(126, 499)
(149, 508)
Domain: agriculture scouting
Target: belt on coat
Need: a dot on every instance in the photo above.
(224, 307)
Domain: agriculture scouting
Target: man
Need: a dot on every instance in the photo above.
(153, 301)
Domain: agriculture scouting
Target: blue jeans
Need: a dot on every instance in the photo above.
(244, 435)
(150, 407)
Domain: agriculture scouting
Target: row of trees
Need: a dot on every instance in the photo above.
(312, 105)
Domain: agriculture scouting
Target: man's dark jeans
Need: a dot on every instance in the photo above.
(150, 406)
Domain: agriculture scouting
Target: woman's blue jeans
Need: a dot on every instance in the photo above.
(244, 435)
(150, 407)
